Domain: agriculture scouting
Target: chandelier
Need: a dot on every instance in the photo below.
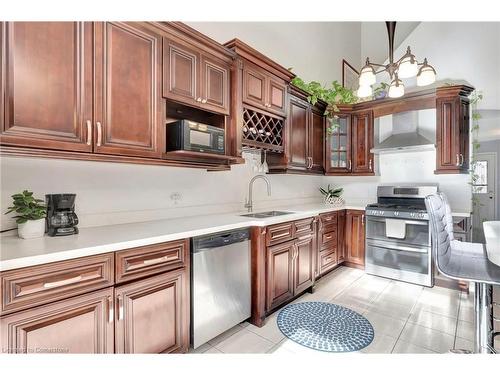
(406, 67)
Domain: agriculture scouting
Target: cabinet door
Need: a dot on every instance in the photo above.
(298, 134)
(362, 143)
(254, 86)
(304, 263)
(279, 275)
(180, 72)
(81, 324)
(316, 141)
(355, 237)
(447, 134)
(464, 135)
(153, 314)
(276, 100)
(214, 85)
(338, 156)
(46, 86)
(127, 99)
(341, 236)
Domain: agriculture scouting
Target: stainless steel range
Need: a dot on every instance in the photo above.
(398, 238)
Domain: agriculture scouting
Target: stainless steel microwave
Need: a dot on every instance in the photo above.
(194, 136)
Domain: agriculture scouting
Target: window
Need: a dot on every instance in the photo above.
(480, 186)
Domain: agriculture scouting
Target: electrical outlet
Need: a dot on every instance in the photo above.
(176, 197)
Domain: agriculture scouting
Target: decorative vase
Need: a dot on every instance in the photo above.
(31, 229)
(334, 201)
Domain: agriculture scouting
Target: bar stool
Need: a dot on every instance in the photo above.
(464, 261)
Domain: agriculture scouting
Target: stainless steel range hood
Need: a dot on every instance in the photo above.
(405, 132)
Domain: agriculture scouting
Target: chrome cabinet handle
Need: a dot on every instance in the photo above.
(461, 160)
(89, 132)
(363, 219)
(350, 165)
(198, 100)
(99, 133)
(120, 309)
(204, 101)
(457, 157)
(156, 260)
(370, 165)
(55, 284)
(111, 310)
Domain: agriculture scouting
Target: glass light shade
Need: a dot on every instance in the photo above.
(364, 91)
(426, 76)
(397, 89)
(407, 68)
(367, 76)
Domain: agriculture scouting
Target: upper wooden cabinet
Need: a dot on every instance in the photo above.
(46, 88)
(348, 145)
(194, 77)
(304, 134)
(355, 238)
(452, 129)
(262, 90)
(128, 98)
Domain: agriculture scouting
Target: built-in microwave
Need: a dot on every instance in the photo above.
(194, 136)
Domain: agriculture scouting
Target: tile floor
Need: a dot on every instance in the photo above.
(406, 318)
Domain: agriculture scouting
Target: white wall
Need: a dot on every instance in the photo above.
(313, 49)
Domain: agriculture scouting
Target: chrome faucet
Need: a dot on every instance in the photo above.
(249, 203)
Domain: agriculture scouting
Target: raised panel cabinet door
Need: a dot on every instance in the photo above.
(448, 134)
(127, 90)
(464, 134)
(153, 314)
(341, 227)
(362, 143)
(316, 141)
(180, 72)
(277, 96)
(279, 275)
(215, 85)
(254, 86)
(298, 134)
(355, 237)
(81, 324)
(304, 263)
(46, 85)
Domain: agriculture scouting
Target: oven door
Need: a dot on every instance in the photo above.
(398, 232)
(405, 263)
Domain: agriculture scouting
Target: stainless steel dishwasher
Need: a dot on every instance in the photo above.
(220, 283)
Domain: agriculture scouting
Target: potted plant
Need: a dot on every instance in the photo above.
(30, 216)
(332, 195)
(380, 92)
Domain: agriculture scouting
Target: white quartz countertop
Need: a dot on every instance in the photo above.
(18, 253)
(492, 236)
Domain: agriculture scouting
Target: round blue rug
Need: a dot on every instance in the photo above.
(325, 326)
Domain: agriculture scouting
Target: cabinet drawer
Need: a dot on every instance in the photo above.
(149, 260)
(279, 233)
(329, 239)
(327, 260)
(304, 227)
(33, 286)
(330, 218)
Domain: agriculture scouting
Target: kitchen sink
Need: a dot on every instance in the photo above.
(264, 215)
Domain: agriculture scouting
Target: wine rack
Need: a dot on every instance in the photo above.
(262, 131)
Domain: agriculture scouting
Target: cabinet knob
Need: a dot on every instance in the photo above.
(198, 100)
(204, 101)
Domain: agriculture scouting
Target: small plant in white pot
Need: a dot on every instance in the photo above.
(30, 216)
(332, 195)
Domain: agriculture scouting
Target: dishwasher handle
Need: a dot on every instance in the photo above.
(219, 239)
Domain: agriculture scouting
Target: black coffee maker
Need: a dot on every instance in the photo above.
(61, 217)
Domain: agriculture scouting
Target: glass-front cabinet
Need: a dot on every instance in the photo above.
(338, 147)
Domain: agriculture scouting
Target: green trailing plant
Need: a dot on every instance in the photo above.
(475, 98)
(330, 192)
(27, 207)
(333, 96)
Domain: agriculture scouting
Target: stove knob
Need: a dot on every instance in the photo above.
(412, 214)
(396, 213)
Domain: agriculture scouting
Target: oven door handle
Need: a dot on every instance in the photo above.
(411, 222)
(399, 247)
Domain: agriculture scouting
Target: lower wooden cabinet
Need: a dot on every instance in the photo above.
(341, 236)
(304, 264)
(355, 238)
(153, 314)
(81, 324)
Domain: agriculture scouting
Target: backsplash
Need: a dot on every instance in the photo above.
(114, 193)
